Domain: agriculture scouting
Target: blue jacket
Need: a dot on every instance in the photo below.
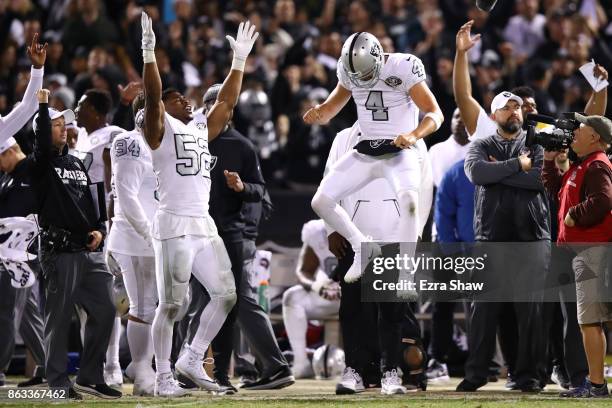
(454, 208)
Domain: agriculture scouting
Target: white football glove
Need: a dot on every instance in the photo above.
(243, 44)
(148, 39)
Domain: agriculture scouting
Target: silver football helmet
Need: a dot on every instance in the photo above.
(328, 362)
(362, 59)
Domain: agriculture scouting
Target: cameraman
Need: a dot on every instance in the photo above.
(585, 205)
(70, 254)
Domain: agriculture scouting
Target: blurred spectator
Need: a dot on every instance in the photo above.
(89, 27)
(96, 43)
(444, 155)
(525, 31)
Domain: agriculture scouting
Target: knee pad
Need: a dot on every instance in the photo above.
(146, 313)
(290, 296)
(168, 310)
(321, 202)
(228, 300)
(408, 201)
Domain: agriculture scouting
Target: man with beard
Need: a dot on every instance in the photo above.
(511, 206)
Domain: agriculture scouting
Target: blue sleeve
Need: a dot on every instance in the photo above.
(445, 212)
(465, 223)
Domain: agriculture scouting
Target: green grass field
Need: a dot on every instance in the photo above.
(312, 393)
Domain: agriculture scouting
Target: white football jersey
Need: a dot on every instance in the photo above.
(134, 185)
(182, 166)
(89, 149)
(314, 235)
(386, 110)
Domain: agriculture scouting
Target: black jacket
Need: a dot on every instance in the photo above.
(17, 197)
(509, 204)
(233, 152)
(64, 198)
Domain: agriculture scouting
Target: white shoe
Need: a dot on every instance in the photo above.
(144, 388)
(167, 386)
(350, 383)
(391, 384)
(191, 365)
(143, 380)
(356, 269)
(113, 376)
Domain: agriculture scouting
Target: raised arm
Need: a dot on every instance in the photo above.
(598, 101)
(43, 144)
(18, 117)
(221, 112)
(462, 85)
(154, 107)
(323, 113)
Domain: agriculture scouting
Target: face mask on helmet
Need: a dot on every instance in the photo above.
(362, 59)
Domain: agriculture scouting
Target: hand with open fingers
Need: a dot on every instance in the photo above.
(37, 52)
(313, 116)
(233, 181)
(129, 92)
(330, 291)
(245, 38)
(148, 36)
(43, 95)
(464, 40)
(405, 141)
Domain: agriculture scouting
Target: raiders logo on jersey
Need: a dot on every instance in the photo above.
(393, 81)
(213, 161)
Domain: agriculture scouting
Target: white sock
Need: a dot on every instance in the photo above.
(212, 318)
(112, 352)
(141, 345)
(296, 324)
(161, 331)
(337, 218)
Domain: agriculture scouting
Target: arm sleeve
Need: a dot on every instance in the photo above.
(480, 171)
(551, 177)
(42, 142)
(532, 179)
(254, 185)
(598, 197)
(11, 123)
(128, 179)
(445, 213)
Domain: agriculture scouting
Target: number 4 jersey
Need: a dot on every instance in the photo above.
(182, 166)
(386, 110)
